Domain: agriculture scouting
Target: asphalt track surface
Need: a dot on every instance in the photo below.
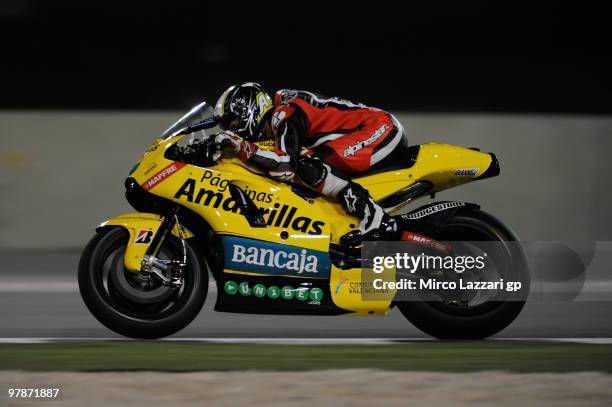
(39, 298)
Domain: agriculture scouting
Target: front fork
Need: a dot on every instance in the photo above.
(170, 272)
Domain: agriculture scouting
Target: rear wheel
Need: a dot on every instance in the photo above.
(478, 316)
(137, 305)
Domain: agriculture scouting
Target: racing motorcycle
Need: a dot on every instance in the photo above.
(273, 247)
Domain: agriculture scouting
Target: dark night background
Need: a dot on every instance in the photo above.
(420, 56)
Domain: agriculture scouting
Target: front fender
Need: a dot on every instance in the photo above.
(142, 228)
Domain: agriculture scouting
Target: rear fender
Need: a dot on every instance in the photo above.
(432, 216)
(142, 228)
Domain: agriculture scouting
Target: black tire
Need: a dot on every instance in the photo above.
(442, 321)
(102, 284)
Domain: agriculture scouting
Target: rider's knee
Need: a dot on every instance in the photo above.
(312, 171)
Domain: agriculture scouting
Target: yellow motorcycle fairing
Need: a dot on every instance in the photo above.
(354, 290)
(301, 221)
(443, 165)
(142, 228)
(308, 223)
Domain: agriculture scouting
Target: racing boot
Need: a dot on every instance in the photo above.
(375, 223)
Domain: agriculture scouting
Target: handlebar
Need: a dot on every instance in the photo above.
(202, 153)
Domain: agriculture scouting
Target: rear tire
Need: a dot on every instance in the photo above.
(442, 321)
(146, 311)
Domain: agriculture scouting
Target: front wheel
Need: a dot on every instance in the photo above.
(479, 318)
(137, 305)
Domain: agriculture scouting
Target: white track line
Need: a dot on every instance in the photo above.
(35, 286)
(52, 286)
(306, 341)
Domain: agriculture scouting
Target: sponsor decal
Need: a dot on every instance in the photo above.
(466, 172)
(257, 256)
(426, 242)
(273, 292)
(284, 216)
(352, 149)
(266, 144)
(357, 287)
(150, 168)
(315, 295)
(163, 174)
(231, 287)
(244, 289)
(360, 287)
(301, 294)
(343, 281)
(259, 290)
(246, 151)
(432, 209)
(278, 116)
(287, 293)
(351, 200)
(144, 236)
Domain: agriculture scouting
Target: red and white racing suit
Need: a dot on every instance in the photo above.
(323, 140)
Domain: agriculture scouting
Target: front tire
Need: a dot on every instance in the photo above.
(446, 321)
(129, 303)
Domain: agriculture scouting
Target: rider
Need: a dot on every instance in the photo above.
(319, 139)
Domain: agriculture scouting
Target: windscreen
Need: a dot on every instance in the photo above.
(197, 114)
